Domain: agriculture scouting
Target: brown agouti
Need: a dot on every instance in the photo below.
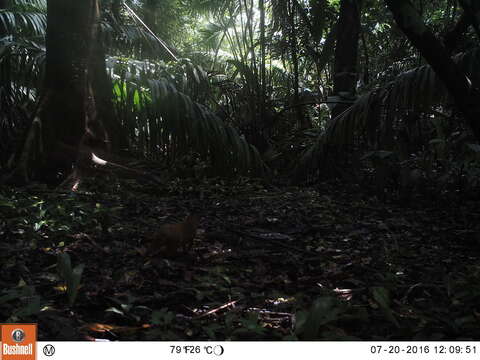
(170, 239)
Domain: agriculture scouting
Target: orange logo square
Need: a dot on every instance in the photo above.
(18, 341)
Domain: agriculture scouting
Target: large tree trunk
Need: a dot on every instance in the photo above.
(66, 127)
(70, 33)
(68, 107)
(466, 96)
(346, 55)
(302, 121)
(263, 76)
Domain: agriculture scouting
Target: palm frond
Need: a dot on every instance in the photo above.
(21, 67)
(173, 124)
(415, 90)
(24, 23)
(30, 5)
(22, 64)
(210, 6)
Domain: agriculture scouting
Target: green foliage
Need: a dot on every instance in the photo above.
(382, 297)
(162, 317)
(155, 103)
(29, 5)
(21, 303)
(71, 276)
(310, 324)
(22, 56)
(157, 117)
(376, 118)
(249, 327)
(243, 287)
(388, 282)
(24, 24)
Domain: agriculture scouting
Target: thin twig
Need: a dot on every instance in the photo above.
(217, 309)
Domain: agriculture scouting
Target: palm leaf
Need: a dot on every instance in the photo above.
(185, 125)
(418, 89)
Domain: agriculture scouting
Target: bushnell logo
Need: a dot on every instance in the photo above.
(18, 335)
(18, 341)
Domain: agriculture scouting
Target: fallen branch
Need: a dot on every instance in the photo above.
(213, 311)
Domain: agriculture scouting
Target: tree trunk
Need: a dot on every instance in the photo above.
(302, 121)
(346, 55)
(466, 95)
(473, 9)
(115, 8)
(150, 8)
(68, 104)
(66, 126)
(263, 77)
(323, 58)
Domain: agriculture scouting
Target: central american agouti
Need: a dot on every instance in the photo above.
(170, 239)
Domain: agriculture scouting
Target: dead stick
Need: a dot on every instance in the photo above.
(217, 309)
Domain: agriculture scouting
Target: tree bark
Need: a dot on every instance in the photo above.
(473, 9)
(302, 121)
(263, 76)
(328, 50)
(69, 37)
(465, 95)
(66, 124)
(346, 54)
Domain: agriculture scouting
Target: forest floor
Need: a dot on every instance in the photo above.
(321, 262)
